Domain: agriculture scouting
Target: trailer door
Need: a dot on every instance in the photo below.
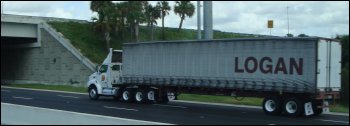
(335, 66)
(329, 65)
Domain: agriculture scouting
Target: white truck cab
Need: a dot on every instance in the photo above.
(107, 74)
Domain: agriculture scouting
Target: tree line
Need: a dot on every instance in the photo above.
(123, 17)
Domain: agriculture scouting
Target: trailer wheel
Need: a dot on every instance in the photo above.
(127, 95)
(140, 96)
(272, 105)
(293, 106)
(93, 95)
(171, 96)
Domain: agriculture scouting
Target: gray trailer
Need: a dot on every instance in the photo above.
(294, 75)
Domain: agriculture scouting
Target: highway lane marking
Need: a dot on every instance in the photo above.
(121, 108)
(5, 91)
(181, 101)
(67, 96)
(171, 106)
(332, 121)
(110, 117)
(22, 98)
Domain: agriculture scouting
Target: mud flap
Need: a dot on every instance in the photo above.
(308, 109)
(325, 107)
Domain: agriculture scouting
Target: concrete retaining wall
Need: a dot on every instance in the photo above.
(52, 63)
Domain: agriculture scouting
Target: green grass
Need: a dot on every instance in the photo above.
(83, 37)
(339, 107)
(221, 99)
(92, 43)
(189, 97)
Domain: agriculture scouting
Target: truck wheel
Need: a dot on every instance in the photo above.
(140, 96)
(93, 93)
(151, 95)
(128, 95)
(272, 105)
(293, 106)
(171, 96)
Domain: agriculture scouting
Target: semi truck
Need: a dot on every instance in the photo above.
(295, 76)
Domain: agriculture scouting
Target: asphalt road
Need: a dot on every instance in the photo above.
(173, 112)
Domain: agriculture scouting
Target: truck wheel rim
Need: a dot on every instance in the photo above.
(138, 96)
(270, 105)
(126, 95)
(291, 107)
(92, 93)
(150, 95)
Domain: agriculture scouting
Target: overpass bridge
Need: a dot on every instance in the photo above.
(34, 52)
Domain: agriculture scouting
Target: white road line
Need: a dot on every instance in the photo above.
(22, 98)
(121, 108)
(67, 96)
(171, 106)
(332, 121)
(5, 91)
(110, 117)
(181, 101)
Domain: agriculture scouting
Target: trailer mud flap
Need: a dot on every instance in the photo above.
(308, 109)
(325, 107)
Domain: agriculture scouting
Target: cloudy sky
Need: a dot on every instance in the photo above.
(314, 18)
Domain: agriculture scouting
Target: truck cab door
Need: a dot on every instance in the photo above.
(103, 75)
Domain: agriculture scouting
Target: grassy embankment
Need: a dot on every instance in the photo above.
(92, 44)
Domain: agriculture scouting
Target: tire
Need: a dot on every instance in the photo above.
(272, 105)
(93, 95)
(171, 96)
(118, 94)
(151, 95)
(140, 96)
(293, 106)
(128, 95)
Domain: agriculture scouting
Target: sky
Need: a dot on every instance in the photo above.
(313, 18)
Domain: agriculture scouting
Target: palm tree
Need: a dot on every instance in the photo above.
(164, 8)
(152, 14)
(122, 11)
(104, 21)
(135, 16)
(183, 9)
